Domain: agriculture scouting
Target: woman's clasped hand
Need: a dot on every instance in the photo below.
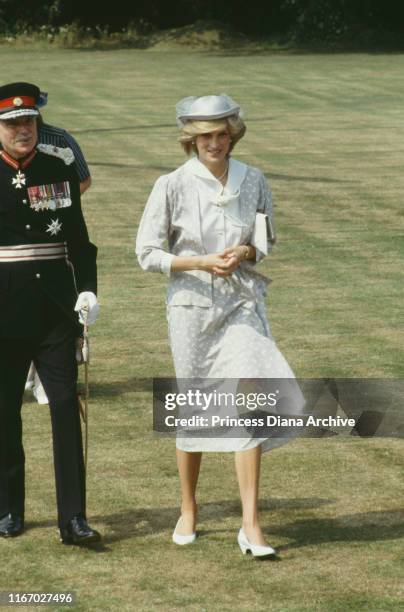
(224, 263)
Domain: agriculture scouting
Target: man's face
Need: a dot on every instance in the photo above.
(18, 136)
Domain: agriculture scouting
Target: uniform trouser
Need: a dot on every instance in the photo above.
(53, 352)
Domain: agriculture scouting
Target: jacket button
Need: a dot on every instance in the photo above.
(24, 201)
(38, 275)
(27, 227)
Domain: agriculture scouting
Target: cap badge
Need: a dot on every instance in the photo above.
(18, 102)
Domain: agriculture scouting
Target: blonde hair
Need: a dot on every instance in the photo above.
(191, 129)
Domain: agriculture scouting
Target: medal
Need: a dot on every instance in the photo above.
(19, 180)
(54, 227)
(50, 197)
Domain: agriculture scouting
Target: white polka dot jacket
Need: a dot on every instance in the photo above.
(173, 225)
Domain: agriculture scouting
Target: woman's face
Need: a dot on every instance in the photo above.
(213, 147)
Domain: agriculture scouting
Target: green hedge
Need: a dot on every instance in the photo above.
(299, 20)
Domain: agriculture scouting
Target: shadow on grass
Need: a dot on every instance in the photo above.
(141, 522)
(286, 49)
(153, 126)
(269, 175)
(124, 128)
(304, 179)
(361, 527)
(114, 389)
(97, 547)
(139, 167)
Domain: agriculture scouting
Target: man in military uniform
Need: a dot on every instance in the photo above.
(50, 134)
(47, 272)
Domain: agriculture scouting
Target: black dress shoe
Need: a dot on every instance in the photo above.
(78, 531)
(11, 525)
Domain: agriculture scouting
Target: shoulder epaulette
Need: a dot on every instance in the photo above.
(64, 153)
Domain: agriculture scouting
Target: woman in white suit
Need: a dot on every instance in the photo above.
(198, 228)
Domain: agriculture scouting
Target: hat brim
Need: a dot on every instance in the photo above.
(209, 117)
(19, 112)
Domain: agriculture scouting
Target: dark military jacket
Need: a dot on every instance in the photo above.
(40, 205)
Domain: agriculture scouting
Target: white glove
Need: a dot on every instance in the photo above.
(87, 307)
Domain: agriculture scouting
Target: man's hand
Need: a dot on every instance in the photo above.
(87, 307)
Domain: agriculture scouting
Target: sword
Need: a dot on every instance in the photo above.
(85, 352)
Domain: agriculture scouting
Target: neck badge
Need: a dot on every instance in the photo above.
(19, 180)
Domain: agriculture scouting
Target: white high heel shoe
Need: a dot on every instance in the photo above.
(181, 540)
(255, 549)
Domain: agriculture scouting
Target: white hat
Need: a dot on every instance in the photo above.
(205, 108)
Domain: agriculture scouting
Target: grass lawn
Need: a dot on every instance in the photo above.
(328, 132)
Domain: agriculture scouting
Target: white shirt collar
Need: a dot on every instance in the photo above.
(237, 172)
